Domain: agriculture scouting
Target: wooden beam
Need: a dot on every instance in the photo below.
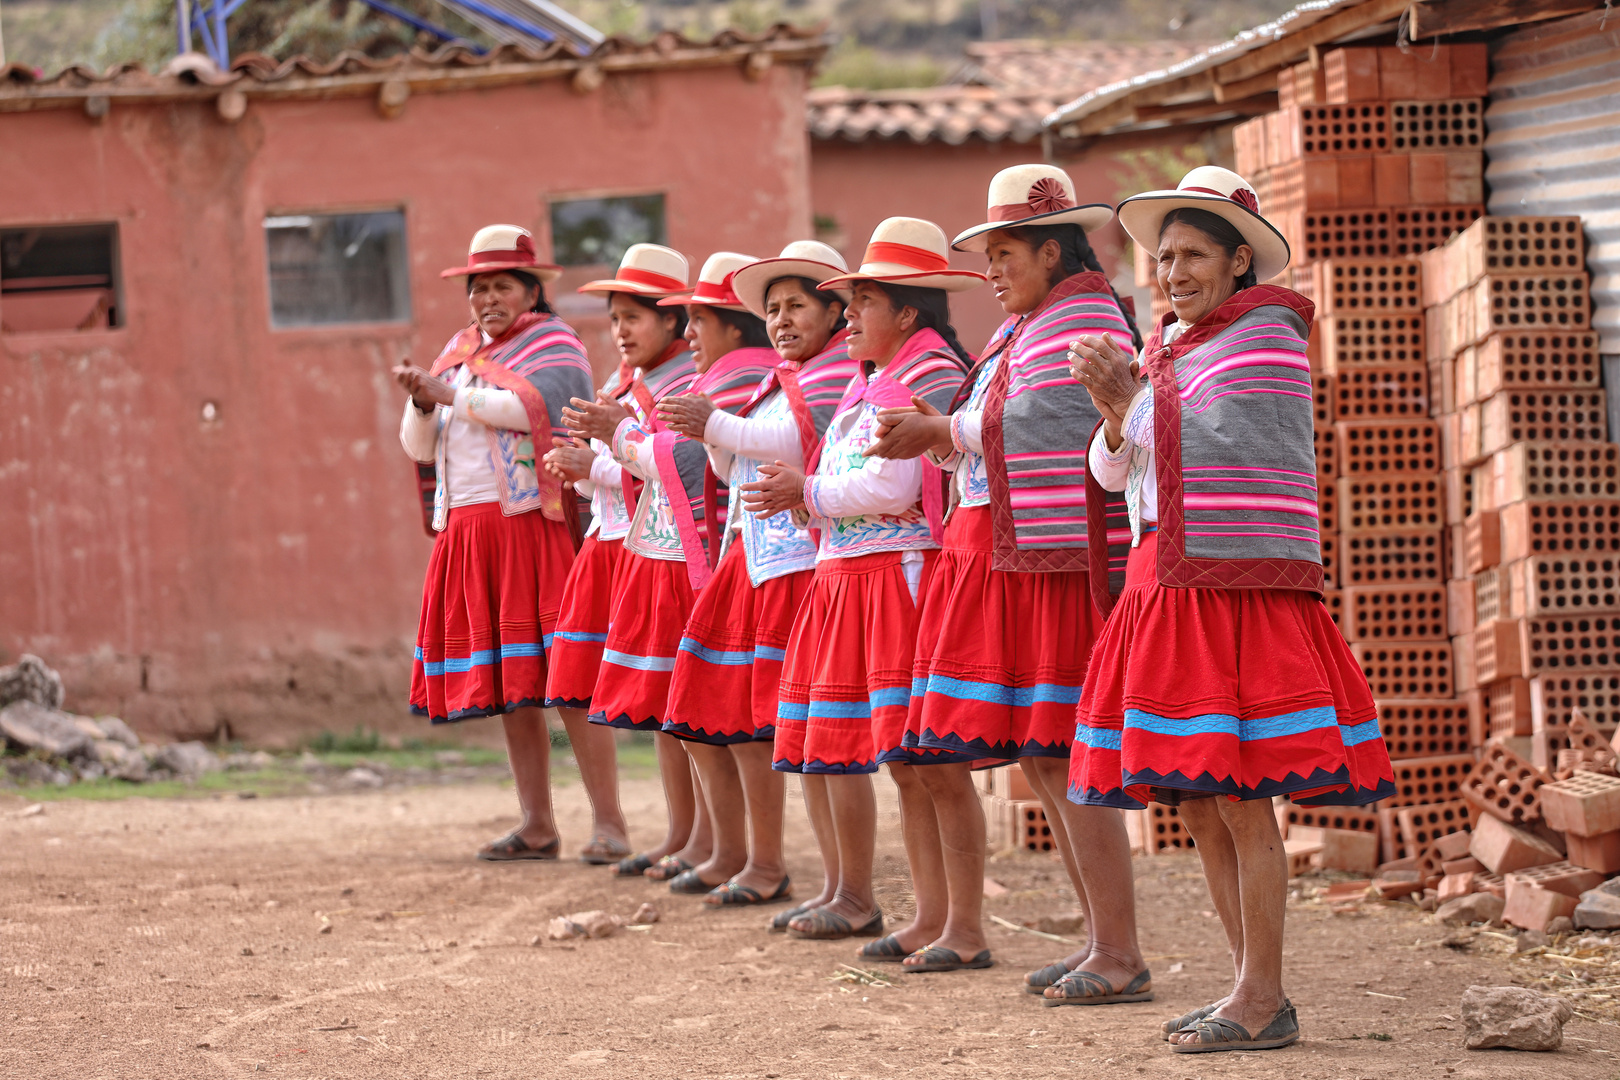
(1262, 83)
(1205, 110)
(1435, 18)
(1288, 49)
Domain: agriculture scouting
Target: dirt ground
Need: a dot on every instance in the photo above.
(184, 938)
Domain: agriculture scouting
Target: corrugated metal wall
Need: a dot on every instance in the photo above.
(1553, 147)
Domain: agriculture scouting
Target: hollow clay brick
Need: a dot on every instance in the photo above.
(1342, 849)
(1531, 907)
(1561, 877)
(1453, 845)
(1504, 785)
(1455, 885)
(1587, 804)
(1465, 865)
(1504, 848)
(1600, 853)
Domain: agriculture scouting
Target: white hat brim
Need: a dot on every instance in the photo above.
(544, 272)
(1090, 218)
(948, 280)
(752, 281)
(613, 285)
(1142, 215)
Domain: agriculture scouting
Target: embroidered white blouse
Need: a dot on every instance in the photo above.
(1130, 468)
(471, 472)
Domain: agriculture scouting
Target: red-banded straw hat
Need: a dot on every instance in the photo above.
(714, 283)
(646, 270)
(908, 251)
(1223, 193)
(810, 259)
(1033, 195)
(503, 247)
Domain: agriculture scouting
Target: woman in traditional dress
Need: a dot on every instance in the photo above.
(505, 530)
(724, 689)
(1222, 592)
(846, 681)
(1008, 622)
(668, 544)
(652, 345)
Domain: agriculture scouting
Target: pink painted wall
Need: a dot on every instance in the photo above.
(261, 573)
(857, 185)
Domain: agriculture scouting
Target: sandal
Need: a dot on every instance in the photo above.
(1187, 1020)
(779, 921)
(689, 883)
(939, 958)
(634, 866)
(885, 950)
(1096, 991)
(603, 850)
(1216, 1033)
(668, 867)
(830, 926)
(1036, 982)
(730, 893)
(512, 848)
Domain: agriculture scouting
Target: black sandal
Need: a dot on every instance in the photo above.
(1036, 982)
(603, 850)
(634, 866)
(779, 921)
(939, 958)
(830, 926)
(1095, 989)
(1216, 1033)
(513, 848)
(670, 866)
(689, 883)
(1187, 1020)
(730, 894)
(885, 950)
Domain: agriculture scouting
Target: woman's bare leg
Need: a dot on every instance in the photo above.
(960, 821)
(1049, 777)
(722, 793)
(1213, 842)
(818, 807)
(700, 844)
(528, 748)
(598, 760)
(920, 829)
(854, 816)
(763, 796)
(1104, 854)
(1262, 886)
(675, 770)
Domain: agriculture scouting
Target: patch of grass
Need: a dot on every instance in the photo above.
(266, 782)
(359, 741)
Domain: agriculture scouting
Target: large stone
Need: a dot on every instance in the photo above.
(1513, 1018)
(187, 759)
(1599, 908)
(33, 726)
(1481, 907)
(31, 679)
(115, 729)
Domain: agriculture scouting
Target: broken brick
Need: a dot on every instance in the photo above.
(1504, 785)
(1452, 845)
(1600, 853)
(1561, 877)
(1465, 865)
(1531, 907)
(1586, 804)
(1455, 885)
(1341, 849)
(1504, 848)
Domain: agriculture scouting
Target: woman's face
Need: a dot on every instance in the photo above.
(640, 333)
(709, 336)
(497, 300)
(798, 324)
(876, 330)
(1196, 273)
(1021, 275)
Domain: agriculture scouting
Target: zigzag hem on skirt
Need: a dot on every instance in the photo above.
(821, 768)
(689, 733)
(652, 723)
(953, 749)
(1205, 784)
(568, 703)
(478, 712)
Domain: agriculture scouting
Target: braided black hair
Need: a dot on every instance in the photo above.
(651, 304)
(1077, 257)
(528, 281)
(1218, 229)
(826, 298)
(933, 307)
(746, 323)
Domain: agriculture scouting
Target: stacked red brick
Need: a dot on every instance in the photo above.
(1375, 157)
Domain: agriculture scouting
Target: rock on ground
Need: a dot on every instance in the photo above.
(31, 679)
(1513, 1018)
(1476, 907)
(187, 759)
(38, 727)
(118, 731)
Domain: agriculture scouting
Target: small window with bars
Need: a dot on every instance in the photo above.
(328, 269)
(59, 277)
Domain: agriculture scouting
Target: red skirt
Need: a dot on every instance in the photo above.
(732, 652)
(582, 624)
(650, 607)
(846, 683)
(489, 604)
(1001, 655)
(1247, 693)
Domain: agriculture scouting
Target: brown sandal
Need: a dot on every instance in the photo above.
(513, 848)
(603, 850)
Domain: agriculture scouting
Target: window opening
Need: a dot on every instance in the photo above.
(589, 232)
(337, 268)
(59, 278)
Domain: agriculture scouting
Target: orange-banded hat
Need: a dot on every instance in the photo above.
(908, 251)
(808, 259)
(646, 270)
(714, 283)
(503, 247)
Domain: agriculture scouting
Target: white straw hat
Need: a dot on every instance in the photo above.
(1223, 193)
(810, 259)
(503, 247)
(1033, 195)
(909, 251)
(646, 270)
(714, 283)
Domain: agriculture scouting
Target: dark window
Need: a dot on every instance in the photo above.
(587, 232)
(59, 278)
(337, 268)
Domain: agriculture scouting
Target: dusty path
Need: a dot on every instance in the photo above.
(182, 938)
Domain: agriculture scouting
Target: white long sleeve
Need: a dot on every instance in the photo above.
(881, 486)
(419, 433)
(1115, 469)
(967, 431)
(1109, 467)
(491, 407)
(727, 437)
